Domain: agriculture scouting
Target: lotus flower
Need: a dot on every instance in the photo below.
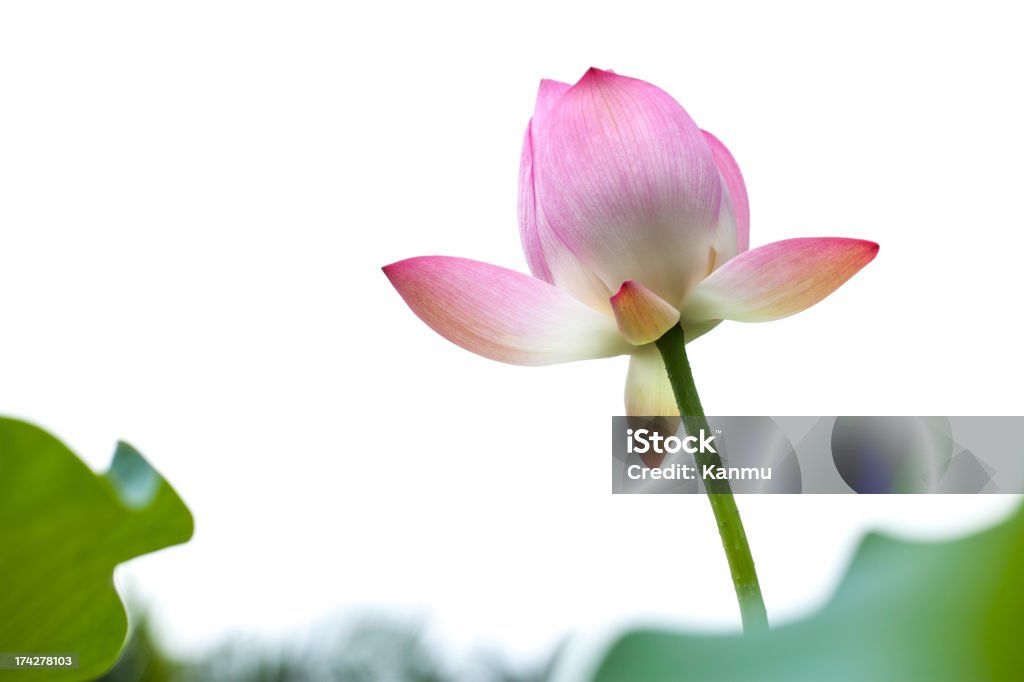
(633, 219)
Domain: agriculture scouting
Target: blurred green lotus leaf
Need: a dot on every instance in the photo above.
(904, 611)
(63, 530)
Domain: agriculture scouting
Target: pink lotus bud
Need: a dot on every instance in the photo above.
(632, 219)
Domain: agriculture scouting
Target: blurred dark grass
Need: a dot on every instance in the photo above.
(363, 648)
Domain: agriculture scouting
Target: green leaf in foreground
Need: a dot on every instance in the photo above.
(905, 611)
(63, 529)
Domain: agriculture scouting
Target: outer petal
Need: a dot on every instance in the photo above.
(777, 280)
(723, 246)
(547, 95)
(641, 315)
(628, 183)
(502, 314)
(548, 258)
(648, 393)
(737, 189)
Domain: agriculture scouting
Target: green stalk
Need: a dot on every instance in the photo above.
(741, 564)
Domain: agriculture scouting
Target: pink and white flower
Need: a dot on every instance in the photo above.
(632, 219)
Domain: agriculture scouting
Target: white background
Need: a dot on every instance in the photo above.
(196, 199)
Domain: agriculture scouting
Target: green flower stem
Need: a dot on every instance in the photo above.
(741, 564)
